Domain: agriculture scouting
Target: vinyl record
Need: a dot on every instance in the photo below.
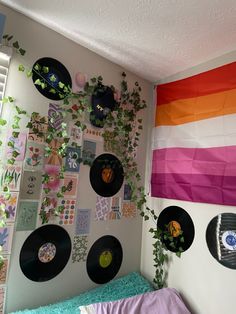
(104, 259)
(56, 70)
(179, 224)
(106, 175)
(45, 253)
(102, 103)
(221, 239)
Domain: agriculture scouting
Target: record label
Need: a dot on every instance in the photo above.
(229, 240)
(45, 253)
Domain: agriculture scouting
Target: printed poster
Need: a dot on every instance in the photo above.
(129, 210)
(4, 270)
(31, 185)
(73, 159)
(6, 234)
(89, 152)
(80, 249)
(55, 116)
(10, 203)
(75, 134)
(54, 158)
(83, 221)
(19, 146)
(102, 208)
(13, 171)
(40, 124)
(2, 299)
(27, 215)
(115, 212)
(71, 182)
(34, 156)
(54, 181)
(67, 217)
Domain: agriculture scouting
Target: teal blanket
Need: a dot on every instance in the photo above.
(124, 287)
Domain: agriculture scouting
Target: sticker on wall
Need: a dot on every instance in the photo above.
(89, 152)
(102, 208)
(75, 134)
(129, 210)
(2, 299)
(38, 128)
(31, 185)
(10, 204)
(115, 212)
(6, 234)
(13, 172)
(127, 192)
(4, 270)
(54, 181)
(73, 158)
(93, 134)
(34, 156)
(55, 116)
(80, 249)
(54, 158)
(83, 221)
(19, 146)
(68, 214)
(71, 182)
(27, 216)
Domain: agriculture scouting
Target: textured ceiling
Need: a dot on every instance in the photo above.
(152, 38)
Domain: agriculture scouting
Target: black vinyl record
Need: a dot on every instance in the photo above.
(106, 175)
(45, 253)
(221, 239)
(176, 216)
(59, 73)
(104, 259)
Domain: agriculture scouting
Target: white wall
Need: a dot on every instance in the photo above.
(207, 286)
(39, 42)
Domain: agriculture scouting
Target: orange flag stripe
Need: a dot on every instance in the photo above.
(195, 109)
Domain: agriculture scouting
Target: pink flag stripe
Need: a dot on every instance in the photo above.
(195, 188)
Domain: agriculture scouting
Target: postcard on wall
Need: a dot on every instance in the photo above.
(54, 181)
(55, 116)
(19, 146)
(6, 234)
(10, 203)
(34, 156)
(71, 182)
(129, 210)
(80, 249)
(75, 134)
(94, 134)
(115, 211)
(83, 221)
(31, 185)
(48, 204)
(27, 215)
(4, 270)
(73, 159)
(102, 208)
(67, 216)
(38, 129)
(12, 172)
(54, 158)
(88, 152)
(2, 299)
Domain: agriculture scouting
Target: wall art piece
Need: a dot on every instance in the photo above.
(49, 203)
(75, 134)
(13, 171)
(68, 215)
(73, 158)
(80, 249)
(89, 152)
(2, 299)
(115, 212)
(31, 185)
(127, 192)
(27, 215)
(6, 234)
(34, 156)
(10, 202)
(54, 181)
(39, 125)
(129, 210)
(19, 146)
(4, 270)
(54, 158)
(79, 81)
(71, 181)
(55, 116)
(83, 221)
(93, 134)
(102, 208)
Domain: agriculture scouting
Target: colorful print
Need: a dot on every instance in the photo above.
(4, 270)
(13, 172)
(47, 252)
(27, 216)
(71, 182)
(83, 221)
(34, 156)
(10, 204)
(40, 124)
(68, 215)
(73, 158)
(54, 181)
(102, 208)
(49, 203)
(75, 134)
(115, 208)
(54, 158)
(129, 210)
(19, 146)
(93, 134)
(80, 249)
(55, 116)
(2, 299)
(6, 234)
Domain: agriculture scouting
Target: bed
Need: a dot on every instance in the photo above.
(131, 294)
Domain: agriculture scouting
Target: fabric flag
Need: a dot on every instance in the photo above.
(194, 139)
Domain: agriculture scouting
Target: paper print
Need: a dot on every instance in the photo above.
(68, 215)
(89, 152)
(102, 208)
(27, 215)
(13, 171)
(75, 134)
(115, 208)
(4, 270)
(79, 81)
(93, 134)
(80, 249)
(54, 181)
(129, 210)
(34, 156)
(40, 127)
(83, 221)
(73, 158)
(71, 182)
(6, 234)
(54, 158)
(55, 116)
(2, 299)
(19, 146)
(49, 203)
(10, 205)
(127, 192)
(31, 185)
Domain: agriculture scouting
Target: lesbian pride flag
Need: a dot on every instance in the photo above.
(194, 139)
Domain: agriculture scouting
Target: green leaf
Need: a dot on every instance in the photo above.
(21, 68)
(3, 122)
(16, 45)
(45, 70)
(52, 78)
(22, 51)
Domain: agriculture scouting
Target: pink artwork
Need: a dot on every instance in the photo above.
(54, 182)
(71, 182)
(19, 146)
(10, 204)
